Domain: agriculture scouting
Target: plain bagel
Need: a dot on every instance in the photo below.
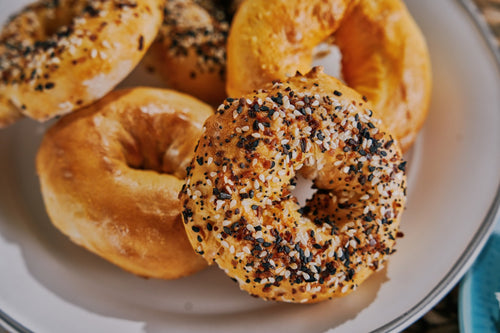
(111, 173)
(384, 55)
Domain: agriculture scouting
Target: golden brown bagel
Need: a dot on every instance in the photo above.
(57, 56)
(384, 55)
(190, 50)
(111, 173)
(238, 208)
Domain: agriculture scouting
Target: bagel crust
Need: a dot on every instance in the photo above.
(110, 176)
(384, 54)
(239, 211)
(190, 50)
(58, 56)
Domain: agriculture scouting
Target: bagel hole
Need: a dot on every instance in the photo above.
(57, 25)
(59, 20)
(303, 190)
(157, 159)
(156, 141)
(328, 55)
(142, 163)
(160, 164)
(140, 150)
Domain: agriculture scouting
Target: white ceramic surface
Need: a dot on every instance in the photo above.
(47, 284)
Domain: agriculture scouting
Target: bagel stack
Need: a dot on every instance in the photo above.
(187, 186)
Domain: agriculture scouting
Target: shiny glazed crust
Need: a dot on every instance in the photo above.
(384, 55)
(111, 173)
(58, 56)
(239, 211)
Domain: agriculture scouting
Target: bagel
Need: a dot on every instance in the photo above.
(110, 175)
(239, 211)
(57, 56)
(190, 50)
(384, 54)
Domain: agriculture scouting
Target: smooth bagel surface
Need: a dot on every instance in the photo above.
(111, 173)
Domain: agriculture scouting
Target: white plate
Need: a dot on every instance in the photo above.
(47, 284)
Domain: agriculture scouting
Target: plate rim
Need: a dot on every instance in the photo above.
(11, 325)
(467, 257)
(473, 249)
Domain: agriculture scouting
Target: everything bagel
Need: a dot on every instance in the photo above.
(238, 208)
(190, 50)
(57, 56)
(384, 55)
(111, 173)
